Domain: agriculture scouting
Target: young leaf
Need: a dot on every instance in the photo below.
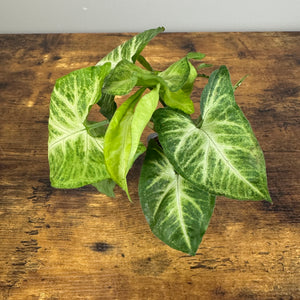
(126, 76)
(203, 66)
(223, 155)
(117, 147)
(181, 98)
(195, 55)
(177, 211)
(177, 74)
(76, 157)
(131, 48)
(123, 135)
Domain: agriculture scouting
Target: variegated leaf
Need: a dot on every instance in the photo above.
(177, 211)
(221, 154)
(131, 48)
(75, 146)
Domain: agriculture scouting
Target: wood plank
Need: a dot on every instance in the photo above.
(78, 244)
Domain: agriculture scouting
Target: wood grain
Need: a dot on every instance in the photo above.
(78, 244)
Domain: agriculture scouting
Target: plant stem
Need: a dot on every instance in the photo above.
(198, 122)
(240, 82)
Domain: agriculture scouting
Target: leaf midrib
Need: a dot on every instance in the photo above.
(61, 139)
(227, 162)
(179, 209)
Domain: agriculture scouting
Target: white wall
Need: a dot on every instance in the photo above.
(43, 16)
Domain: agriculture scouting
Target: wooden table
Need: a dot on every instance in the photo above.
(78, 244)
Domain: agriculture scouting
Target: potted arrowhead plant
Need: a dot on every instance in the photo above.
(187, 164)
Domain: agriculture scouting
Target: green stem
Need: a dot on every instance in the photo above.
(97, 124)
(198, 122)
(240, 82)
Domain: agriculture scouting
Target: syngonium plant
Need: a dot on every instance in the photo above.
(188, 163)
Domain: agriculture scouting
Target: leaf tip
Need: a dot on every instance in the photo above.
(128, 195)
(269, 199)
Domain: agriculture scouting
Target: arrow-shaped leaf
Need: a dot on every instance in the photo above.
(122, 139)
(177, 74)
(180, 99)
(223, 155)
(131, 48)
(177, 211)
(75, 155)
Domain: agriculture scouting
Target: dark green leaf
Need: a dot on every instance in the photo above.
(107, 105)
(177, 211)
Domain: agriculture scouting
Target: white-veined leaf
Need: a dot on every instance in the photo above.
(223, 155)
(131, 48)
(75, 154)
(177, 211)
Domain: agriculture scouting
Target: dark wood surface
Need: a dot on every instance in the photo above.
(78, 244)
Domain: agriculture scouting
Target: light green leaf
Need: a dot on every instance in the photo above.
(222, 154)
(177, 211)
(126, 76)
(106, 187)
(131, 48)
(181, 98)
(195, 55)
(75, 155)
(123, 135)
(203, 66)
(177, 74)
(142, 115)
